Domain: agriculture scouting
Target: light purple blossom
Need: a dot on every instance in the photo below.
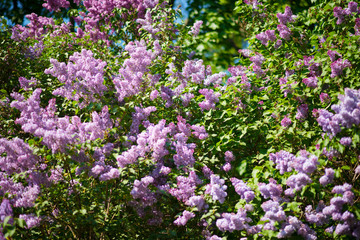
(284, 31)
(286, 17)
(268, 35)
(216, 188)
(184, 218)
(346, 141)
(196, 28)
(210, 99)
(31, 220)
(338, 66)
(311, 82)
(283, 161)
(233, 222)
(285, 122)
(55, 5)
(328, 177)
(83, 77)
(242, 189)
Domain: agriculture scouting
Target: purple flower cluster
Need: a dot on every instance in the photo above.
(328, 177)
(349, 224)
(302, 112)
(184, 218)
(6, 210)
(27, 84)
(347, 113)
(257, 60)
(271, 190)
(36, 28)
(154, 139)
(286, 17)
(142, 192)
(283, 161)
(198, 202)
(131, 79)
(346, 141)
(216, 188)
(292, 225)
(31, 220)
(284, 31)
(242, 189)
(338, 66)
(83, 77)
(186, 188)
(285, 122)
(340, 13)
(273, 213)
(196, 28)
(268, 35)
(58, 132)
(55, 5)
(333, 54)
(325, 98)
(311, 82)
(233, 222)
(194, 70)
(210, 99)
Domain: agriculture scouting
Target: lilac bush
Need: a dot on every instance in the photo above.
(123, 126)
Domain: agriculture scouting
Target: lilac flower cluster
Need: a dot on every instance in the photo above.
(142, 192)
(233, 222)
(328, 177)
(198, 202)
(349, 224)
(286, 17)
(210, 99)
(153, 139)
(195, 71)
(311, 82)
(346, 141)
(184, 218)
(284, 31)
(184, 151)
(305, 164)
(340, 13)
(285, 122)
(138, 116)
(19, 156)
(216, 188)
(293, 224)
(271, 190)
(302, 112)
(283, 161)
(131, 79)
(83, 77)
(27, 84)
(325, 98)
(242, 189)
(185, 187)
(55, 5)
(264, 37)
(36, 28)
(338, 66)
(6, 210)
(257, 60)
(273, 213)
(58, 132)
(196, 28)
(347, 113)
(31, 220)
(229, 157)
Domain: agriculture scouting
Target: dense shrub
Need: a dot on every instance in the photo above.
(115, 131)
